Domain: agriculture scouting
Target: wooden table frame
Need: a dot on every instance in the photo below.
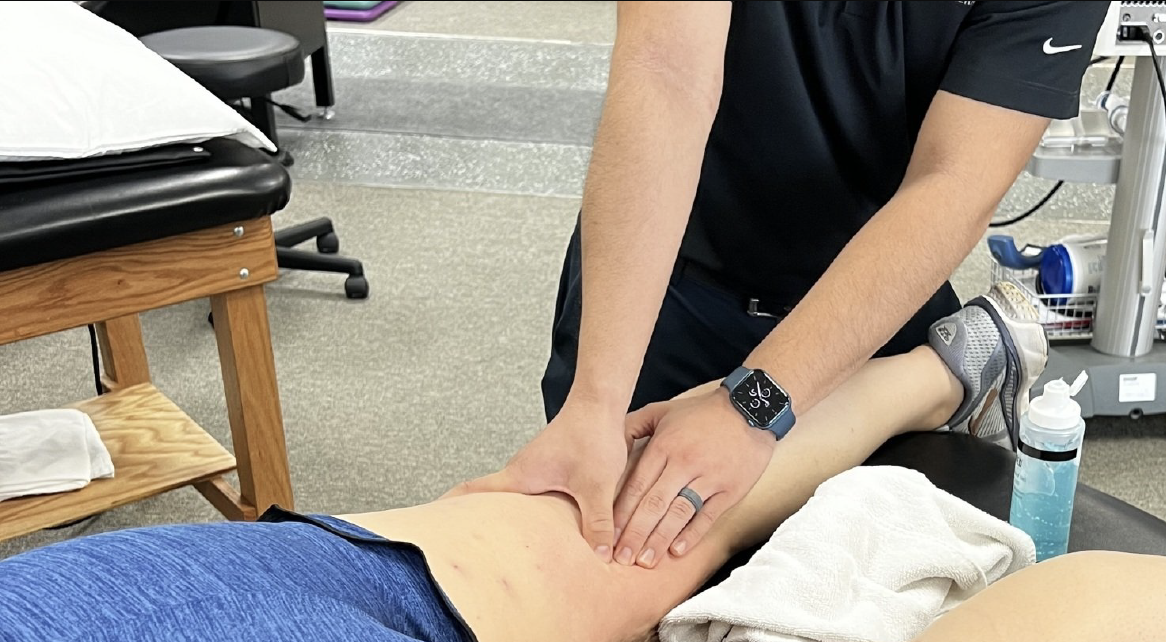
(229, 264)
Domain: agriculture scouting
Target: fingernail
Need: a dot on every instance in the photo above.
(646, 558)
(618, 532)
(625, 556)
(604, 553)
(679, 547)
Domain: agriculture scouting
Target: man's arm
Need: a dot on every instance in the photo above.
(968, 154)
(663, 92)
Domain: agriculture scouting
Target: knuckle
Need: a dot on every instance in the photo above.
(636, 487)
(600, 522)
(635, 535)
(681, 509)
(704, 521)
(655, 504)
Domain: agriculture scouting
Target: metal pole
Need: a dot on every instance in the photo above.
(1127, 305)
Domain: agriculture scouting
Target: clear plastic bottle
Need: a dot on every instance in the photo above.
(1047, 460)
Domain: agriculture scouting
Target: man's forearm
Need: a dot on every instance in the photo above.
(875, 285)
(640, 187)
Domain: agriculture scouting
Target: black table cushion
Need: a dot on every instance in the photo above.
(981, 474)
(79, 214)
(232, 62)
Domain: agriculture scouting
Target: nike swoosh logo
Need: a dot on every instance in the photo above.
(1050, 49)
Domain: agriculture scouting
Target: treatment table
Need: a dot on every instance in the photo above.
(98, 241)
(981, 474)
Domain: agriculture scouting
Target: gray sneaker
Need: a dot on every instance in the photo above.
(997, 349)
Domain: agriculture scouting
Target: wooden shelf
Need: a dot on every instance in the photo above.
(155, 448)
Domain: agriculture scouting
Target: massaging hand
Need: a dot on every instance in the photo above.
(701, 443)
(582, 453)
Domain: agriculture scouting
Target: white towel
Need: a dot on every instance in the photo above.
(49, 451)
(878, 553)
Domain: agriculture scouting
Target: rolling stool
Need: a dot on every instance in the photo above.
(249, 63)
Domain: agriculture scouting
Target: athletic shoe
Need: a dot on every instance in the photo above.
(997, 349)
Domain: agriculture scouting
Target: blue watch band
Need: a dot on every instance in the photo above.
(783, 422)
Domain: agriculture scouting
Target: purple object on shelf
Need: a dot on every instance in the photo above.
(359, 15)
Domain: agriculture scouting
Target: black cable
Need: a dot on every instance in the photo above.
(1030, 211)
(1116, 71)
(1097, 60)
(96, 358)
(1157, 65)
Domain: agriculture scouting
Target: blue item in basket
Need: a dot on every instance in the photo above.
(1073, 266)
(1056, 271)
(1003, 249)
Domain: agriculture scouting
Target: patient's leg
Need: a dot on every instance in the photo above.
(1079, 597)
(886, 397)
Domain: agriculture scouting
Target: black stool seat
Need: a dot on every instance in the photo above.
(79, 214)
(232, 62)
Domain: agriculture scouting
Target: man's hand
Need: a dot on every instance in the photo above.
(701, 443)
(582, 453)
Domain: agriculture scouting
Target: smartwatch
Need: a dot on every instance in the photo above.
(759, 399)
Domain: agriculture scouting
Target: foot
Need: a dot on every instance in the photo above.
(996, 349)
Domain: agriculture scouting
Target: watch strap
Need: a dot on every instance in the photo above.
(736, 377)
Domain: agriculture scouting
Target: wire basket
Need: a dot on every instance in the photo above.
(1064, 316)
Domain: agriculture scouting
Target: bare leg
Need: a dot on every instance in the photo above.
(884, 398)
(1081, 597)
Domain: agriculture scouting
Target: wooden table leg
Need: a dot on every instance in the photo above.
(123, 353)
(252, 397)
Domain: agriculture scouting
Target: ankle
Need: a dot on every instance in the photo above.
(947, 393)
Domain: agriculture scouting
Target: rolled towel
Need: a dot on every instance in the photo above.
(50, 451)
(878, 553)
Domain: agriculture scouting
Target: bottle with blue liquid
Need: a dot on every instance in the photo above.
(1048, 457)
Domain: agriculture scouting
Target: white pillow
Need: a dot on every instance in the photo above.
(73, 85)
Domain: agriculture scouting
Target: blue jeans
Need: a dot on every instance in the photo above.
(286, 577)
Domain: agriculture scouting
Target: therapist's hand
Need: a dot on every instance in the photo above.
(583, 453)
(700, 442)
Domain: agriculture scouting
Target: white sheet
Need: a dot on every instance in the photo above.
(877, 554)
(73, 86)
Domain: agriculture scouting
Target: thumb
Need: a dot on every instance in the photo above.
(596, 505)
(642, 423)
(499, 482)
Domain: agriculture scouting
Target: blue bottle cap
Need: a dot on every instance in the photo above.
(1056, 270)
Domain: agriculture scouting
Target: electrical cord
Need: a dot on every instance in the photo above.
(96, 358)
(1113, 76)
(1030, 211)
(1145, 37)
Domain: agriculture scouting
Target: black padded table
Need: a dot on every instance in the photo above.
(981, 474)
(94, 205)
(99, 241)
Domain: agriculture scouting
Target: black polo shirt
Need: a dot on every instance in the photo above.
(821, 107)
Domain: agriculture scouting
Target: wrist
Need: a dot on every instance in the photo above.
(596, 404)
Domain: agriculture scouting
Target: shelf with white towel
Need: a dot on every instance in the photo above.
(155, 448)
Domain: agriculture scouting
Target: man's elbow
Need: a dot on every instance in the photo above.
(686, 80)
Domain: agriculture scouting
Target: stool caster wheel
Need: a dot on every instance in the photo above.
(356, 287)
(328, 243)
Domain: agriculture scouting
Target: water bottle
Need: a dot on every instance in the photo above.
(1048, 456)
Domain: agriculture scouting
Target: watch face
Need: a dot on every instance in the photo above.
(760, 398)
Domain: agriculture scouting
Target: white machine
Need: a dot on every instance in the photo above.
(1126, 366)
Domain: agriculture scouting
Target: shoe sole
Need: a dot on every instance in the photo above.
(1025, 339)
